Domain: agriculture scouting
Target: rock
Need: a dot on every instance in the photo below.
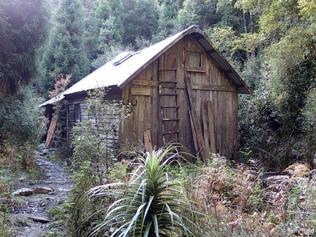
(43, 153)
(277, 179)
(23, 192)
(39, 219)
(43, 190)
(19, 220)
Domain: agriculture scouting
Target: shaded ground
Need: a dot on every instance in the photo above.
(31, 216)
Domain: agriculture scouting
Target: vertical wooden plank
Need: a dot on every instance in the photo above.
(211, 126)
(205, 123)
(155, 104)
(147, 141)
(194, 133)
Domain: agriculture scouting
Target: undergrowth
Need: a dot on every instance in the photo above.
(232, 199)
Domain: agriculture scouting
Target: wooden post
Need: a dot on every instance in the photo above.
(147, 141)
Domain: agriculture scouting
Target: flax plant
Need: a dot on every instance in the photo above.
(149, 204)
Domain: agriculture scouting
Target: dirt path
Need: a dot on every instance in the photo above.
(32, 217)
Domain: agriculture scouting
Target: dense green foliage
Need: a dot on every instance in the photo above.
(64, 52)
(22, 28)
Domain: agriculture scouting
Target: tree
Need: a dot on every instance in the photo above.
(285, 43)
(110, 21)
(91, 28)
(64, 52)
(229, 15)
(22, 29)
(168, 13)
(140, 20)
(199, 12)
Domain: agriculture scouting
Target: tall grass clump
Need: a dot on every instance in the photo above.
(149, 204)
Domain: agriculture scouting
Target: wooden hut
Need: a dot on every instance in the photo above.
(181, 91)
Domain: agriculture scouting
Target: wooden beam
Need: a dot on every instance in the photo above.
(145, 91)
(213, 88)
(144, 83)
(208, 88)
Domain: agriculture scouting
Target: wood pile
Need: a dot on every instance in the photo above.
(51, 130)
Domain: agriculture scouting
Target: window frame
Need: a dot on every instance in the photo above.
(77, 113)
(202, 60)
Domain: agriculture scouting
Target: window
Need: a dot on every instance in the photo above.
(195, 61)
(77, 113)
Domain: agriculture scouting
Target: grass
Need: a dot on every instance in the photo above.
(5, 225)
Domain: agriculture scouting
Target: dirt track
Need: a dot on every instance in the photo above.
(31, 217)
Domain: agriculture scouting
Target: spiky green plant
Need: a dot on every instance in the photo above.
(149, 204)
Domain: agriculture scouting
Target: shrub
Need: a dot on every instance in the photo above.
(83, 178)
(21, 126)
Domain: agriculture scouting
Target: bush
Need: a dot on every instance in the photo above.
(92, 160)
(277, 123)
(83, 178)
(21, 126)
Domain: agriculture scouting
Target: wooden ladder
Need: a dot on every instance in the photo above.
(168, 93)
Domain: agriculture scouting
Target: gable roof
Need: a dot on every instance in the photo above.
(126, 66)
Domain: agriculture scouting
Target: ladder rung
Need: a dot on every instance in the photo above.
(170, 107)
(169, 120)
(168, 86)
(170, 132)
(173, 82)
(168, 94)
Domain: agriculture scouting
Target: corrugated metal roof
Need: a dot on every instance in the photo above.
(53, 100)
(127, 65)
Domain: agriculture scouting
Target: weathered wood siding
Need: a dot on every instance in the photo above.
(208, 83)
(141, 95)
(111, 138)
